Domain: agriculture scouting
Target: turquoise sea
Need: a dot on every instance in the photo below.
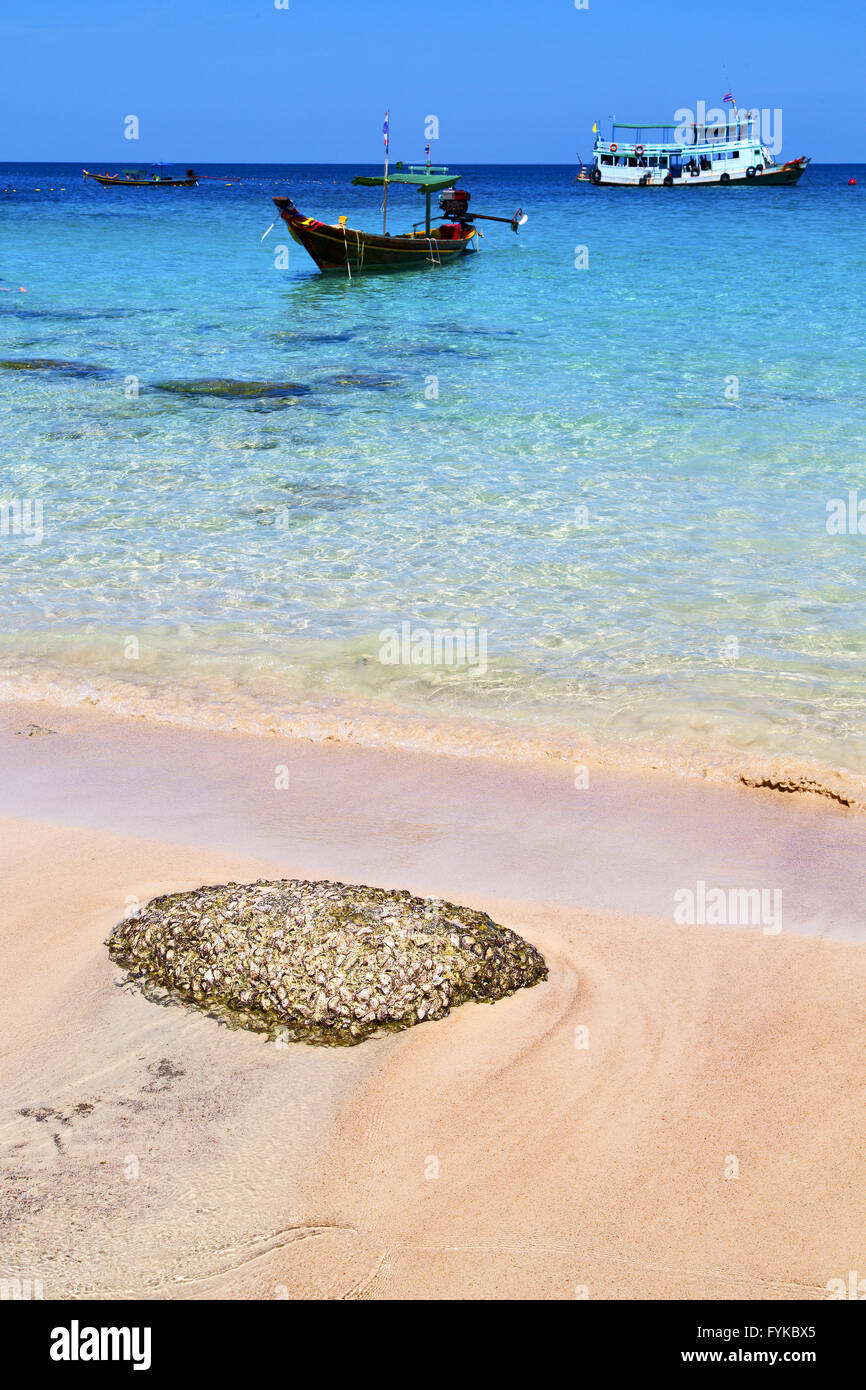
(605, 446)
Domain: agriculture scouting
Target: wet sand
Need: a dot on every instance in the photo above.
(149, 1151)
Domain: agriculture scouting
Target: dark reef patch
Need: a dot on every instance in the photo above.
(229, 389)
(290, 335)
(365, 381)
(55, 366)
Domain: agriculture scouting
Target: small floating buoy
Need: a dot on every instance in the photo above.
(851, 183)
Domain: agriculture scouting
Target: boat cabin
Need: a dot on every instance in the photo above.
(641, 155)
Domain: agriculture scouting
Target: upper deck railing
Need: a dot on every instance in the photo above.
(714, 147)
(669, 136)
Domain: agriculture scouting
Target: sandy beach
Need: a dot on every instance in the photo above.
(676, 1112)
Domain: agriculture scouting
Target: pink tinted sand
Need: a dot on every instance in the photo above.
(676, 1112)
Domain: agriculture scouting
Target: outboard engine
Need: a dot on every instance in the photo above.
(454, 202)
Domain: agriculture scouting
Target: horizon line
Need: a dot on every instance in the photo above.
(353, 163)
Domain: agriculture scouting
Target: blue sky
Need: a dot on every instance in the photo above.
(509, 80)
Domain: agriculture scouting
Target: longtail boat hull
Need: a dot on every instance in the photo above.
(345, 249)
(117, 181)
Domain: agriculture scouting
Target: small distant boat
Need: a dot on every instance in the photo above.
(336, 246)
(657, 156)
(140, 178)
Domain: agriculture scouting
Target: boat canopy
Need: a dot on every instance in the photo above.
(429, 179)
(656, 134)
(666, 135)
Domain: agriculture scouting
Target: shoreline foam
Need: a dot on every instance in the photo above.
(615, 840)
(376, 724)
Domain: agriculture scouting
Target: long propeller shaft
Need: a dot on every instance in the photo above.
(485, 217)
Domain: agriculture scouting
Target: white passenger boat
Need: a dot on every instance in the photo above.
(674, 156)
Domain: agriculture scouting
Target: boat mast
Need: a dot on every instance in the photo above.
(428, 191)
(732, 99)
(387, 134)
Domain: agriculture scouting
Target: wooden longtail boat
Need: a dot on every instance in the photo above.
(138, 178)
(335, 246)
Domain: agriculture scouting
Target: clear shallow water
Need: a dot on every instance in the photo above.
(257, 549)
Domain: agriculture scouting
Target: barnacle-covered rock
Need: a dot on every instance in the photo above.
(320, 962)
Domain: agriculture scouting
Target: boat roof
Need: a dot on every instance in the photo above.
(739, 121)
(429, 178)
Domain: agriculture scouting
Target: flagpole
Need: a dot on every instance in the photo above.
(733, 100)
(387, 139)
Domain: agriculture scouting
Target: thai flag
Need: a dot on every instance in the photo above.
(729, 97)
(385, 128)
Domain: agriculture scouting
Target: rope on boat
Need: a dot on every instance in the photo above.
(359, 254)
